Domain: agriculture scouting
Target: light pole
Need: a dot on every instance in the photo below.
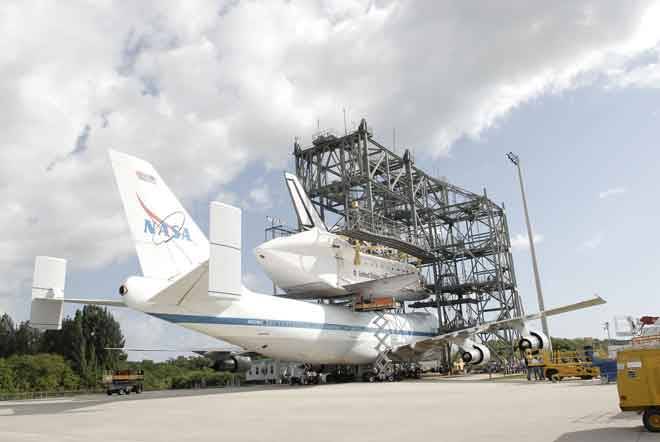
(537, 279)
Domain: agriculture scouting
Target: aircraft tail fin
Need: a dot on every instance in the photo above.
(167, 240)
(308, 217)
(48, 293)
(225, 274)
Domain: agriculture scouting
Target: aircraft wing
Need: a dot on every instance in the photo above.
(216, 354)
(390, 286)
(200, 351)
(460, 335)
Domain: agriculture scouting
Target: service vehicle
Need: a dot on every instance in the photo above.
(638, 382)
(559, 365)
(123, 381)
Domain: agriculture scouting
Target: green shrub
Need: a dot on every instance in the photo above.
(41, 372)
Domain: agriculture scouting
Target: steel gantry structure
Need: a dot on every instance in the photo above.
(460, 239)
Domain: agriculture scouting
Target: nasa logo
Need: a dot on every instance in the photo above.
(160, 229)
(166, 230)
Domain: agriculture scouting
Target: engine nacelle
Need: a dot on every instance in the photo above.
(234, 364)
(534, 340)
(475, 354)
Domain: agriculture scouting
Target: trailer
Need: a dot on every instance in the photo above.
(123, 382)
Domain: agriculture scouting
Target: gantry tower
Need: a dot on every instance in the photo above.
(459, 238)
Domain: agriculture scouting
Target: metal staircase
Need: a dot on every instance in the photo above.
(383, 365)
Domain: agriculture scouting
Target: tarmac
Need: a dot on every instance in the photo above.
(459, 409)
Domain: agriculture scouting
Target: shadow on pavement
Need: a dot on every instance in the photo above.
(620, 434)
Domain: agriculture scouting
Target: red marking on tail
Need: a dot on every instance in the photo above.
(149, 212)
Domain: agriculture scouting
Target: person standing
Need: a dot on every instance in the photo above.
(535, 368)
(528, 368)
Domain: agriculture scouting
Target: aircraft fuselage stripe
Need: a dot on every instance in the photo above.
(198, 319)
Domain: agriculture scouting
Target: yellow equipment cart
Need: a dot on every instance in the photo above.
(559, 365)
(638, 381)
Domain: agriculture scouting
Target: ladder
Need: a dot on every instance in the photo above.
(383, 365)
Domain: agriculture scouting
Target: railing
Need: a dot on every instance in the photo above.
(32, 395)
(362, 219)
(646, 341)
(234, 381)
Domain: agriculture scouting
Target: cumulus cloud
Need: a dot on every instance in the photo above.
(203, 88)
(611, 192)
(521, 242)
(260, 198)
(592, 243)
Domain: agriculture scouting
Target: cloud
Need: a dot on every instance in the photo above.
(202, 89)
(521, 242)
(260, 198)
(592, 243)
(79, 147)
(611, 192)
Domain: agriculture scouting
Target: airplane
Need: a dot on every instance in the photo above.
(196, 283)
(317, 263)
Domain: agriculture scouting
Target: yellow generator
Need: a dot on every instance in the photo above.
(638, 381)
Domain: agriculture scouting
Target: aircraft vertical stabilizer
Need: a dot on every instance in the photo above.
(225, 257)
(167, 240)
(308, 217)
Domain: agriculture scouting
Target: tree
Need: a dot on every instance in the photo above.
(7, 336)
(102, 332)
(27, 339)
(7, 382)
(84, 340)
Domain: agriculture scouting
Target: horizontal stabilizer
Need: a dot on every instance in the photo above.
(48, 293)
(98, 302)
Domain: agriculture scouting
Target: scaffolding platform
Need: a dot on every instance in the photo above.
(370, 193)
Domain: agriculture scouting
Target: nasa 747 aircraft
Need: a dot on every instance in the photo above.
(196, 283)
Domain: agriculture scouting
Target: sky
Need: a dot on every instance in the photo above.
(213, 93)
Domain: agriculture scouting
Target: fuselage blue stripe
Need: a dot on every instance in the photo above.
(198, 319)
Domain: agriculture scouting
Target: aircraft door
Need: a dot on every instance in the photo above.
(343, 267)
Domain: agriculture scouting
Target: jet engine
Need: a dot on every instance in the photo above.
(533, 340)
(475, 354)
(234, 364)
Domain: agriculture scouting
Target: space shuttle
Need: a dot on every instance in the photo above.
(317, 263)
(196, 282)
